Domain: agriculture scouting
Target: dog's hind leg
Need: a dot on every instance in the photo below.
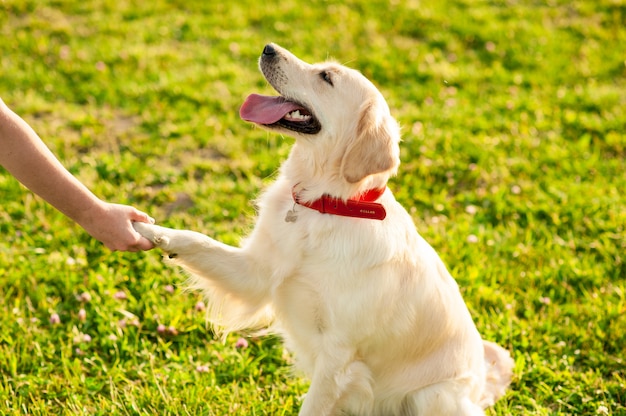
(339, 384)
(447, 398)
(499, 366)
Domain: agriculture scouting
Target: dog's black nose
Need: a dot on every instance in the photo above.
(269, 50)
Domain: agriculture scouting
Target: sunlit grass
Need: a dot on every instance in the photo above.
(513, 118)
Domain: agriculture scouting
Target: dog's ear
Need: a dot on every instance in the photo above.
(374, 149)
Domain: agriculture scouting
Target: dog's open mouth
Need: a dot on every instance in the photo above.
(279, 112)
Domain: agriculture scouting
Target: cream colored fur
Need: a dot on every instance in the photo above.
(367, 307)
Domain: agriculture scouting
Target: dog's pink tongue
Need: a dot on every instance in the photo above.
(265, 110)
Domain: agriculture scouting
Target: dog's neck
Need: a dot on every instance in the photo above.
(363, 205)
(315, 179)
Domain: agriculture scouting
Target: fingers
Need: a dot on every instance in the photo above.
(142, 217)
(116, 229)
(138, 244)
(144, 244)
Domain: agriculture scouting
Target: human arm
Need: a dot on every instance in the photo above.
(29, 160)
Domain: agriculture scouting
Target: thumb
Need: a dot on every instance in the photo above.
(144, 244)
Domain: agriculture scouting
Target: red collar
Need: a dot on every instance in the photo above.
(361, 207)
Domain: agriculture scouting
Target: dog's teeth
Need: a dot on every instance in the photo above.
(297, 116)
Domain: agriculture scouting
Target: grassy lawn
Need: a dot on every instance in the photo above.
(514, 168)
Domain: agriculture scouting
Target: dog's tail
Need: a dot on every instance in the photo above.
(499, 366)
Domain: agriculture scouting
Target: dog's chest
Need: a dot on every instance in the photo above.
(323, 264)
(331, 279)
(317, 301)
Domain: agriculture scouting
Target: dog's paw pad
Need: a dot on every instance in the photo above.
(161, 241)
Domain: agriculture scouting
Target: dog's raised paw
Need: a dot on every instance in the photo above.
(149, 231)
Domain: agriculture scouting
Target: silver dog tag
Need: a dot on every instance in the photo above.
(291, 216)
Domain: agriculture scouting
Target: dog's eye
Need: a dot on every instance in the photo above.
(325, 75)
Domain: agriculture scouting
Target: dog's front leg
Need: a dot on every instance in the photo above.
(205, 257)
(339, 384)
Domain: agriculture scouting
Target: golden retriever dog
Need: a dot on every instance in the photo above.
(337, 266)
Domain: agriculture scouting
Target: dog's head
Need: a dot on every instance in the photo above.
(327, 105)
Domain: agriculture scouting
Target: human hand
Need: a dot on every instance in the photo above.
(112, 225)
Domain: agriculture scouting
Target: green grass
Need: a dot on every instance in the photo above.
(514, 121)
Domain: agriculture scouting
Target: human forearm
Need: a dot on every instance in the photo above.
(27, 158)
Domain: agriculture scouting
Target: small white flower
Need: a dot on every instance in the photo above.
(82, 338)
(202, 368)
(55, 319)
(84, 297)
(82, 315)
(120, 295)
